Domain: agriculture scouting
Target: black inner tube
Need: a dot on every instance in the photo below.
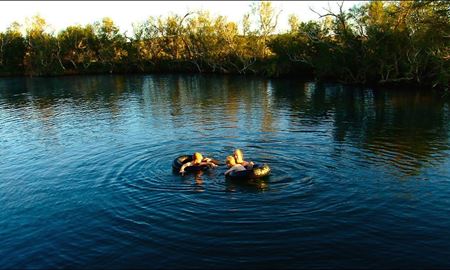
(258, 171)
(179, 161)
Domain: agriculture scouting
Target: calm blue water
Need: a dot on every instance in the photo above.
(360, 179)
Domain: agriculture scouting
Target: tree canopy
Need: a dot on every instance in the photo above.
(377, 42)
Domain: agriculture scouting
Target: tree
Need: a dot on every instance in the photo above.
(78, 45)
(267, 20)
(293, 23)
(42, 51)
(111, 43)
(12, 49)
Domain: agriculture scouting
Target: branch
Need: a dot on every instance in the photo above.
(320, 15)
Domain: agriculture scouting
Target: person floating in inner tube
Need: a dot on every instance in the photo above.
(197, 160)
(239, 157)
(233, 166)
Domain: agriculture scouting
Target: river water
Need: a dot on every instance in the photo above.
(360, 178)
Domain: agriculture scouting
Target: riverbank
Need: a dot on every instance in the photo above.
(177, 68)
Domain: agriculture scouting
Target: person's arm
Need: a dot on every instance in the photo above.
(228, 171)
(212, 164)
(233, 168)
(208, 162)
(212, 161)
(187, 164)
(248, 165)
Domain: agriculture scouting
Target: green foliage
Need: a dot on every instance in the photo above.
(78, 48)
(12, 50)
(42, 50)
(377, 42)
(110, 44)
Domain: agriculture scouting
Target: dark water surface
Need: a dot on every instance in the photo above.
(360, 179)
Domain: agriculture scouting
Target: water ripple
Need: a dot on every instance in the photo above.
(87, 179)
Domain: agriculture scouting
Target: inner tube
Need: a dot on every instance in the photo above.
(258, 171)
(179, 161)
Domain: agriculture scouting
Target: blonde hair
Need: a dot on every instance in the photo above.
(231, 161)
(197, 157)
(239, 156)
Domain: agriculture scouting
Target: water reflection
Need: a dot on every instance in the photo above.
(406, 129)
(251, 185)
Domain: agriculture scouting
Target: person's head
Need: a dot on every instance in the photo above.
(239, 156)
(197, 157)
(231, 161)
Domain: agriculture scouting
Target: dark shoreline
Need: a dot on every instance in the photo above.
(408, 85)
